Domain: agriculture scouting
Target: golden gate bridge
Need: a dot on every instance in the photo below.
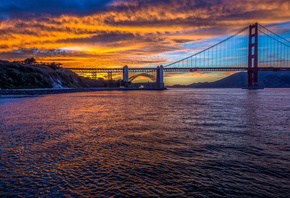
(254, 48)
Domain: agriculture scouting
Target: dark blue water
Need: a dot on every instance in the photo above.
(174, 143)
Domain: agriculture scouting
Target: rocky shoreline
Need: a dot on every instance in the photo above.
(7, 93)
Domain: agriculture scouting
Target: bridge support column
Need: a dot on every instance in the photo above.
(160, 77)
(125, 74)
(110, 76)
(94, 75)
(253, 57)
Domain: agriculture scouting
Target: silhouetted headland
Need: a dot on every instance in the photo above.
(267, 79)
(17, 75)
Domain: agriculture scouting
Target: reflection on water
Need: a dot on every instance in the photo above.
(177, 143)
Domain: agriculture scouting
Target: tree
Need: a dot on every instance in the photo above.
(30, 61)
(54, 65)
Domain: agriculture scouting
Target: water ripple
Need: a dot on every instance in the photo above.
(175, 143)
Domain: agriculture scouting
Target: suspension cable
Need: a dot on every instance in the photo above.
(240, 31)
(274, 33)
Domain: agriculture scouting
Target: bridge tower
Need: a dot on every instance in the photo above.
(125, 74)
(160, 76)
(253, 56)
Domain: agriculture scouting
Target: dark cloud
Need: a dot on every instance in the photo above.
(182, 40)
(20, 54)
(102, 37)
(38, 54)
(20, 8)
(198, 13)
(3, 46)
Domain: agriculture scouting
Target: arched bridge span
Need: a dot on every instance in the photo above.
(151, 77)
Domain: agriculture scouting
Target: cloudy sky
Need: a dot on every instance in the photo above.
(98, 33)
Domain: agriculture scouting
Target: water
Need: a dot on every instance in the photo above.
(174, 143)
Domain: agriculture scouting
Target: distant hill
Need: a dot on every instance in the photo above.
(15, 75)
(267, 79)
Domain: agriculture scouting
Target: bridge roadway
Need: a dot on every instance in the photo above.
(176, 69)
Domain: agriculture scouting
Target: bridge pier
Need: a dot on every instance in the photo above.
(160, 77)
(125, 74)
(253, 57)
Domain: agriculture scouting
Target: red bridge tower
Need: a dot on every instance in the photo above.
(253, 56)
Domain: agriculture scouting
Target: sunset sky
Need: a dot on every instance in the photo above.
(103, 33)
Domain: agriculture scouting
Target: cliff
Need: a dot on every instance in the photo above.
(15, 75)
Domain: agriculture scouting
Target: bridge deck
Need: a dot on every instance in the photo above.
(176, 69)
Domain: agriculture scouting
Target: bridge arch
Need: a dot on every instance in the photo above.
(151, 77)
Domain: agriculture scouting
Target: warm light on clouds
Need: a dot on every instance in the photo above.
(124, 32)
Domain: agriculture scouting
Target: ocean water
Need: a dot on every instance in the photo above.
(173, 143)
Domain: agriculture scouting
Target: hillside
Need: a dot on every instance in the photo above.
(267, 79)
(19, 76)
